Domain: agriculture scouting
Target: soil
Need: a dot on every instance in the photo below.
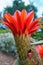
(6, 59)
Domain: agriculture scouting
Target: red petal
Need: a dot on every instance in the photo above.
(19, 21)
(33, 24)
(11, 28)
(23, 17)
(33, 30)
(29, 19)
(39, 49)
(11, 21)
(15, 14)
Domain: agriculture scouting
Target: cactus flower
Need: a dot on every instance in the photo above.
(39, 49)
(21, 22)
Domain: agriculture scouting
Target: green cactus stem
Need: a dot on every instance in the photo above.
(23, 45)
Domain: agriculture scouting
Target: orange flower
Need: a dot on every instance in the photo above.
(39, 49)
(22, 22)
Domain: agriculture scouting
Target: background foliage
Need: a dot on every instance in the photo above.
(7, 43)
(19, 5)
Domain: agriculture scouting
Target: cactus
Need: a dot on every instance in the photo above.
(23, 45)
(22, 25)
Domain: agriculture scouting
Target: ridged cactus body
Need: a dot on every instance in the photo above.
(23, 45)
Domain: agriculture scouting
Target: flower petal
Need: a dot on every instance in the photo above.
(11, 21)
(34, 29)
(29, 19)
(33, 24)
(15, 14)
(19, 21)
(23, 18)
(11, 28)
(23, 15)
